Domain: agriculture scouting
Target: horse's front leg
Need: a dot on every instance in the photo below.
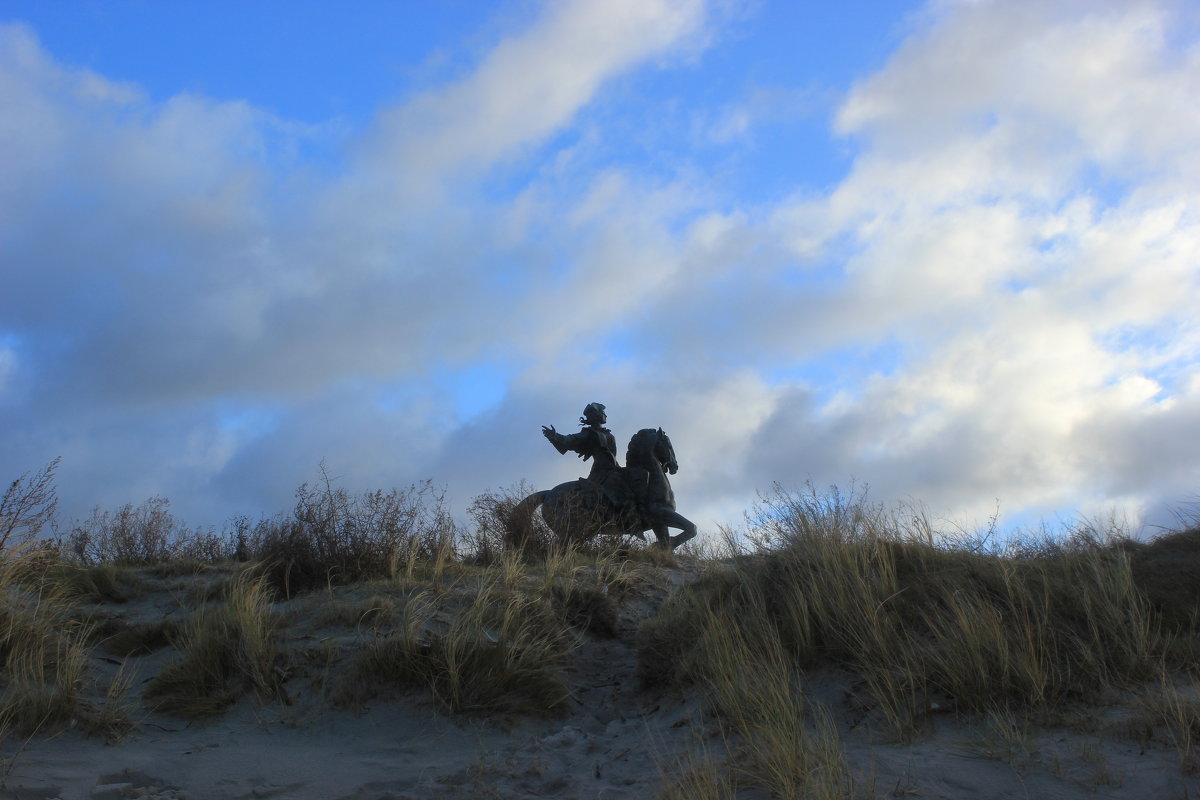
(676, 520)
(665, 518)
(663, 534)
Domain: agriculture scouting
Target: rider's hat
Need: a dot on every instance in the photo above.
(592, 411)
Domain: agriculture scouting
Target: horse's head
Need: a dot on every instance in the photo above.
(650, 447)
(664, 452)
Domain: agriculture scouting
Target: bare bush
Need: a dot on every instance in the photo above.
(205, 546)
(503, 520)
(28, 505)
(132, 535)
(498, 522)
(334, 536)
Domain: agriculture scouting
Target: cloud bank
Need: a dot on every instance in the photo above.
(994, 304)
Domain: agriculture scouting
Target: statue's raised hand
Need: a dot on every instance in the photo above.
(549, 432)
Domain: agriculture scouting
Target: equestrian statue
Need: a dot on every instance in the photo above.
(612, 499)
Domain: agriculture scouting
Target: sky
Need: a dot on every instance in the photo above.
(948, 251)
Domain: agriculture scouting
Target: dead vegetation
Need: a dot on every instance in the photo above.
(392, 600)
(925, 625)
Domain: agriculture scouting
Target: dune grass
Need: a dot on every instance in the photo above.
(141, 639)
(1009, 632)
(698, 778)
(505, 650)
(44, 658)
(499, 638)
(921, 621)
(515, 617)
(95, 583)
(45, 646)
(228, 650)
(1170, 712)
(790, 747)
(377, 611)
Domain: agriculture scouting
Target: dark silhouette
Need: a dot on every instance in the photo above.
(612, 499)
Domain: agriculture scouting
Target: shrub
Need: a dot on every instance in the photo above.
(28, 505)
(336, 537)
(498, 523)
(132, 535)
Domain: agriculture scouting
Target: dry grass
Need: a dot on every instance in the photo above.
(1005, 737)
(701, 778)
(1170, 711)
(790, 748)
(506, 650)
(377, 611)
(96, 583)
(44, 652)
(334, 537)
(141, 639)
(228, 650)
(837, 580)
(1009, 634)
(499, 638)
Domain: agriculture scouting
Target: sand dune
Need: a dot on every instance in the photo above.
(613, 739)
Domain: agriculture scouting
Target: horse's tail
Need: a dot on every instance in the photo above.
(519, 524)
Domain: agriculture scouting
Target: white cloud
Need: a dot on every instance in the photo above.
(1032, 309)
(528, 86)
(1016, 235)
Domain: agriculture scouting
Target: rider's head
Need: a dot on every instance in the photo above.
(593, 415)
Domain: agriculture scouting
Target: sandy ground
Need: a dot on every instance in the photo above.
(615, 741)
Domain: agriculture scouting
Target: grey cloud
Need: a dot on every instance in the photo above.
(205, 282)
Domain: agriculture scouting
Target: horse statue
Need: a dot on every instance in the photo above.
(580, 509)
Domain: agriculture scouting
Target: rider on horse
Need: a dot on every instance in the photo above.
(597, 443)
(613, 499)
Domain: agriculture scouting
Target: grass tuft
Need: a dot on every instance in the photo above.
(698, 779)
(917, 618)
(96, 583)
(790, 748)
(142, 639)
(228, 650)
(44, 649)
(507, 650)
(1170, 710)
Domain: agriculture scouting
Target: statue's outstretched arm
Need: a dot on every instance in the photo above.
(557, 439)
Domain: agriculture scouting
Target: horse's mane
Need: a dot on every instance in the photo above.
(641, 446)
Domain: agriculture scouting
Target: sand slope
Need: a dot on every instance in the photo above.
(615, 740)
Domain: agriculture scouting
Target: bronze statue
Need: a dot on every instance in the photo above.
(613, 499)
(597, 443)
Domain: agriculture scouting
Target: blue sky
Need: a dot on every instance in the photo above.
(948, 250)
